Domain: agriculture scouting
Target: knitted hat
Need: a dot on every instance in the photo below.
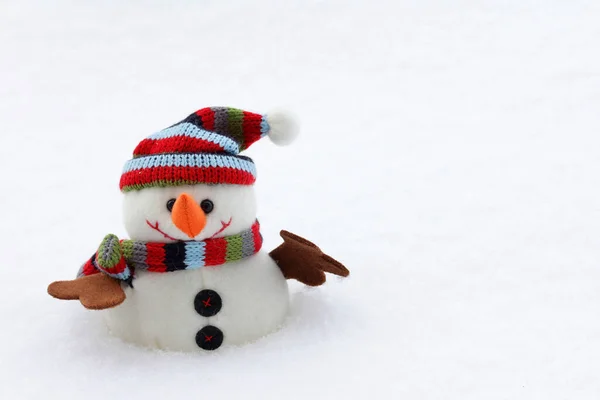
(204, 148)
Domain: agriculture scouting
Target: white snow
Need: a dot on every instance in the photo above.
(449, 156)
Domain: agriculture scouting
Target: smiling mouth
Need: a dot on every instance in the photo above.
(224, 225)
(156, 228)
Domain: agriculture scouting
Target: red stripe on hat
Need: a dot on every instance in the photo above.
(216, 250)
(251, 127)
(172, 176)
(208, 118)
(176, 144)
(155, 257)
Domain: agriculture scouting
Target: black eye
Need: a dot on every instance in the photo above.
(170, 204)
(207, 206)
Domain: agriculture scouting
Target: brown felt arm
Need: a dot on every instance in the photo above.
(95, 292)
(302, 260)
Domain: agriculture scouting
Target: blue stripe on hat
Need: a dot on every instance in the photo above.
(186, 129)
(201, 160)
(264, 126)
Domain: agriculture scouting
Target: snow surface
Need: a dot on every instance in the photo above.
(449, 156)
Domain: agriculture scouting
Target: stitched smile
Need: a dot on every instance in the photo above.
(224, 226)
(156, 228)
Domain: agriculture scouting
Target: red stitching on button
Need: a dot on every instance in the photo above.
(206, 303)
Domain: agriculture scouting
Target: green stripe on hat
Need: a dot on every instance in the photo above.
(235, 124)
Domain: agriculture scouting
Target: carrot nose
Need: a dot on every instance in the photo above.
(188, 216)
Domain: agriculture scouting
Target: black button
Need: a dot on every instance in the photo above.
(207, 303)
(209, 338)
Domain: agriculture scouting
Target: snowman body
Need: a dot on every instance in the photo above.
(229, 304)
(243, 300)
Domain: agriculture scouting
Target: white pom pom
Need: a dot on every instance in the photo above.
(283, 127)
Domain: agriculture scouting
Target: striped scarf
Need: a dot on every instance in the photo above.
(119, 258)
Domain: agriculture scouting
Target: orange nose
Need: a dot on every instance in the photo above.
(188, 216)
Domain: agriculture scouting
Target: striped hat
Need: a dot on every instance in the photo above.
(204, 148)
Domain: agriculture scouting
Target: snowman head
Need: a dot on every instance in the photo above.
(188, 181)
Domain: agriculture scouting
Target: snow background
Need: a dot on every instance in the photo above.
(449, 157)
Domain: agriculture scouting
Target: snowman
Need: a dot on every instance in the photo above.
(193, 275)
